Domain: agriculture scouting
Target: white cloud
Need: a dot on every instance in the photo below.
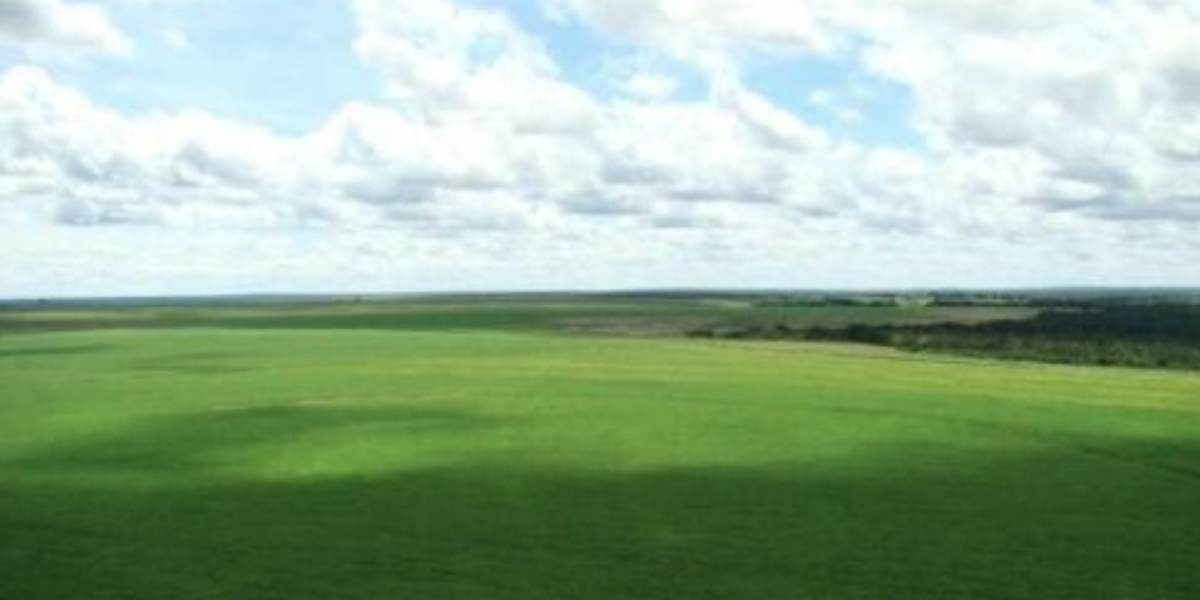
(481, 156)
(1088, 86)
(59, 26)
(1107, 93)
(649, 86)
(695, 28)
(90, 165)
(437, 57)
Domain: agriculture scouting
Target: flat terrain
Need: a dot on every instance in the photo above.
(483, 452)
(636, 316)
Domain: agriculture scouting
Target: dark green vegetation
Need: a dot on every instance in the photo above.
(1133, 335)
(471, 450)
(1156, 336)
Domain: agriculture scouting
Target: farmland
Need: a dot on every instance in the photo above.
(564, 448)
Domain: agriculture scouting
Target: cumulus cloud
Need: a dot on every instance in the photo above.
(648, 85)
(437, 57)
(98, 166)
(1039, 134)
(1106, 93)
(476, 106)
(708, 29)
(57, 26)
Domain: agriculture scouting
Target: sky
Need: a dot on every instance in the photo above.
(156, 147)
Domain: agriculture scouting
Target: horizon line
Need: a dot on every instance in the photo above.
(534, 292)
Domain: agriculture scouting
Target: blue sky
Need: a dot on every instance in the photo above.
(219, 57)
(289, 65)
(838, 95)
(265, 145)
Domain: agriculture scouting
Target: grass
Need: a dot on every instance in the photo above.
(638, 316)
(260, 454)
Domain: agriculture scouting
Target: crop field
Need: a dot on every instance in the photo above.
(542, 451)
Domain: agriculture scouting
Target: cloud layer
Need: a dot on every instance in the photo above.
(1064, 134)
(58, 26)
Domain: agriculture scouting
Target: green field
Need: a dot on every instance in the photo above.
(495, 451)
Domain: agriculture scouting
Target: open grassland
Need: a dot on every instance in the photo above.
(639, 316)
(480, 455)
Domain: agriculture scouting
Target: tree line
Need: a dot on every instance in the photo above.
(1134, 335)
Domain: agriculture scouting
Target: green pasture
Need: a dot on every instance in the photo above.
(282, 454)
(633, 316)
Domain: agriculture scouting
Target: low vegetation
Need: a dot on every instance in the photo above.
(489, 449)
(1131, 335)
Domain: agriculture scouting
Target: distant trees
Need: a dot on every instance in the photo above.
(1136, 335)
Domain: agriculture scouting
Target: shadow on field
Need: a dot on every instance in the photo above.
(1055, 523)
(49, 351)
(194, 445)
(195, 363)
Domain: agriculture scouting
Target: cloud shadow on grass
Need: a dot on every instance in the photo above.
(198, 445)
(195, 363)
(1051, 523)
(50, 351)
